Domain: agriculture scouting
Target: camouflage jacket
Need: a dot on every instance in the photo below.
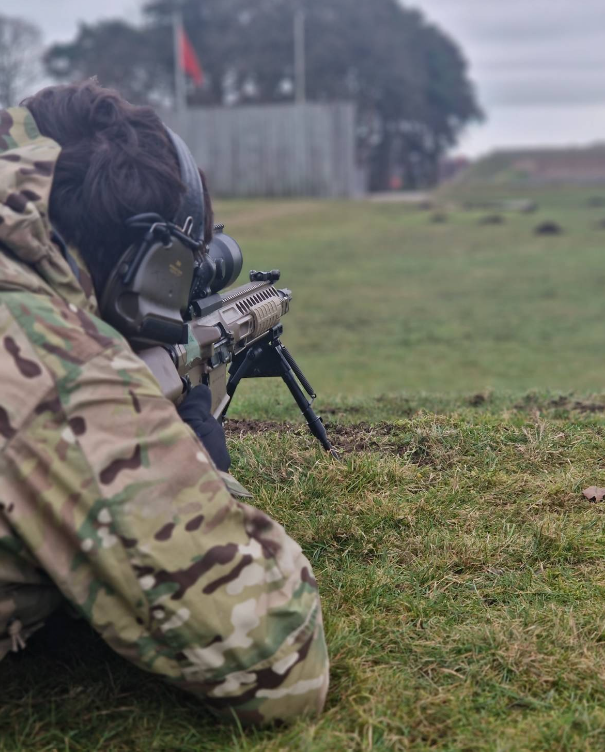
(108, 500)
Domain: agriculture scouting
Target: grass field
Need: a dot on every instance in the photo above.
(387, 301)
(462, 571)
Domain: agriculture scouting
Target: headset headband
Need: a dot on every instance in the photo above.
(192, 203)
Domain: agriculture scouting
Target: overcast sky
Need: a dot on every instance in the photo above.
(539, 65)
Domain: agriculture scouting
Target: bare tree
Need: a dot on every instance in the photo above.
(20, 48)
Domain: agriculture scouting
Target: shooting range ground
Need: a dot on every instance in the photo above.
(388, 300)
(461, 569)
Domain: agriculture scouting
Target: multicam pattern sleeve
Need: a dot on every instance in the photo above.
(115, 499)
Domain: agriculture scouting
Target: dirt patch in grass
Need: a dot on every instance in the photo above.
(549, 228)
(492, 219)
(363, 437)
(241, 428)
(349, 410)
(578, 405)
(568, 404)
(384, 438)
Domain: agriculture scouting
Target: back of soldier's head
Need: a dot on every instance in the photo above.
(116, 161)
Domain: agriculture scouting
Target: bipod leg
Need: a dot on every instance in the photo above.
(271, 359)
(243, 370)
(314, 422)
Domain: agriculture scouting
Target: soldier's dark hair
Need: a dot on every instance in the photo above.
(116, 161)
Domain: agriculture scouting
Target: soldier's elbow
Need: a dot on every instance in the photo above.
(297, 686)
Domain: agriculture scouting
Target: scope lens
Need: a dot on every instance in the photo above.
(227, 255)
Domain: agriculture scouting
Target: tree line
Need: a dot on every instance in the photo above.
(408, 78)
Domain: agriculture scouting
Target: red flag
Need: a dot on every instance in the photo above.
(188, 59)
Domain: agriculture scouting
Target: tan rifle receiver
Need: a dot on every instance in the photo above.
(240, 330)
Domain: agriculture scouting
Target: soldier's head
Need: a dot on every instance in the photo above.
(117, 161)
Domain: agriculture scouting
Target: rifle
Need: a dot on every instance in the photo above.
(239, 330)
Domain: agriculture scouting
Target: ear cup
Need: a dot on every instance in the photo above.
(148, 308)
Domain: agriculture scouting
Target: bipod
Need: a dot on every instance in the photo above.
(268, 359)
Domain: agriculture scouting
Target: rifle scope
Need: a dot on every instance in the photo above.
(218, 268)
(227, 255)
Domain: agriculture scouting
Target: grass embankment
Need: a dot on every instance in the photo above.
(462, 572)
(529, 169)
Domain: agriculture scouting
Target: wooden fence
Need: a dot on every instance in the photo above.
(274, 150)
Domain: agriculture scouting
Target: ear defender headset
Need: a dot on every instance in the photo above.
(149, 295)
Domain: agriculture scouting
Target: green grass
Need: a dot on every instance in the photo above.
(462, 574)
(386, 301)
(461, 569)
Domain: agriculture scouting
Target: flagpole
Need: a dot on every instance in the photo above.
(180, 91)
(300, 63)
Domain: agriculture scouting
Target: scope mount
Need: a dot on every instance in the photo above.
(272, 276)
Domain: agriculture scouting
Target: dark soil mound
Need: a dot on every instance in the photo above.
(385, 438)
(549, 228)
(492, 219)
